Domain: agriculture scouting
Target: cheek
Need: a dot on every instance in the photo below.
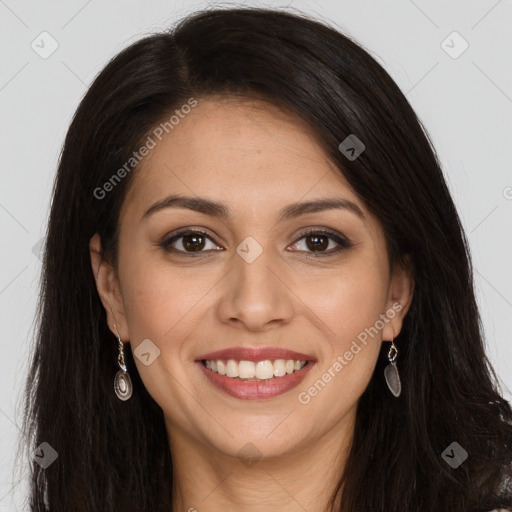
(350, 305)
(162, 302)
(162, 305)
(350, 308)
(350, 301)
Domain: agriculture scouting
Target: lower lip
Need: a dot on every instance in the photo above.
(256, 390)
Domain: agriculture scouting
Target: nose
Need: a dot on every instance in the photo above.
(256, 295)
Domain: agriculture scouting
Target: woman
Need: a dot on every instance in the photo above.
(257, 290)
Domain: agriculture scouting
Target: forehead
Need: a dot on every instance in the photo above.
(247, 153)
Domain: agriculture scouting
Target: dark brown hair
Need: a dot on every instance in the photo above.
(114, 455)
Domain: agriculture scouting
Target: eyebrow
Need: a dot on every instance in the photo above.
(222, 211)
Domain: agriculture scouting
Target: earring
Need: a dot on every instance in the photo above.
(122, 382)
(391, 372)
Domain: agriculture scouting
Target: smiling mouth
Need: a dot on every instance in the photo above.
(250, 371)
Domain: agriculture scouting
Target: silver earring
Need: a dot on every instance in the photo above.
(122, 382)
(391, 372)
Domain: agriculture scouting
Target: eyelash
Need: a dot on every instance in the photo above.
(342, 242)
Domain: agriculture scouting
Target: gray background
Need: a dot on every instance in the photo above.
(465, 102)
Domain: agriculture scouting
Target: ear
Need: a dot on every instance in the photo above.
(107, 284)
(400, 294)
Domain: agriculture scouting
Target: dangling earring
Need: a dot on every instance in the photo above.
(391, 372)
(122, 382)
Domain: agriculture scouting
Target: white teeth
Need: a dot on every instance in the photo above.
(221, 367)
(279, 367)
(232, 368)
(246, 370)
(261, 370)
(264, 370)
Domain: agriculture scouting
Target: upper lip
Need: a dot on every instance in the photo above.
(255, 354)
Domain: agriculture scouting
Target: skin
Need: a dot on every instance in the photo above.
(256, 159)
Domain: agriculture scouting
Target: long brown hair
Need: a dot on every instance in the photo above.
(114, 455)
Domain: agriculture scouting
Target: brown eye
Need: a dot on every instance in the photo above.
(189, 241)
(318, 241)
(193, 242)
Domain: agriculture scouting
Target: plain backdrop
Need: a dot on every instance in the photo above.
(463, 96)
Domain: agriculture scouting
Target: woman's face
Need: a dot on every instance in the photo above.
(255, 280)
